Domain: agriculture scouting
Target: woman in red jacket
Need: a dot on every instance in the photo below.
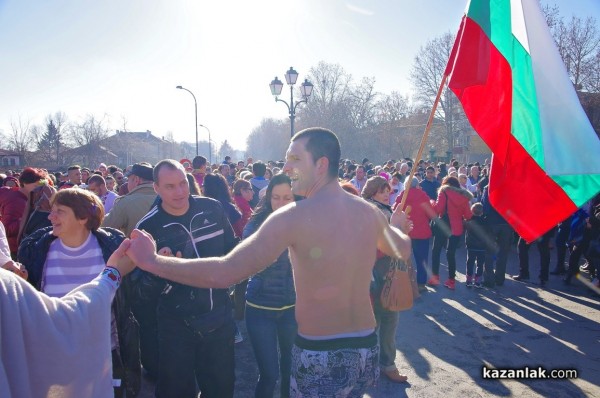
(454, 201)
(13, 202)
(420, 212)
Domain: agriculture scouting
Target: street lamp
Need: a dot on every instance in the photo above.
(196, 110)
(306, 89)
(209, 147)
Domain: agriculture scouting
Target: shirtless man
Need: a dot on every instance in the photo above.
(336, 349)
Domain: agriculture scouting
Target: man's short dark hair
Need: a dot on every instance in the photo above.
(320, 143)
(74, 167)
(96, 179)
(259, 169)
(197, 163)
(168, 163)
(430, 168)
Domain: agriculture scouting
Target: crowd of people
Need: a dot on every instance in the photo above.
(278, 250)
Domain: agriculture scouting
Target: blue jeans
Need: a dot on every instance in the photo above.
(420, 249)
(387, 322)
(272, 334)
(186, 358)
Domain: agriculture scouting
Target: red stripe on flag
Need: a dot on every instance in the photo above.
(519, 189)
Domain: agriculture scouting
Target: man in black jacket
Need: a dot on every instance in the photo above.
(195, 326)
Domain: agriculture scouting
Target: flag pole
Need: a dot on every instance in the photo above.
(423, 140)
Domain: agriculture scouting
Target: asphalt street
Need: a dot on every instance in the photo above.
(448, 337)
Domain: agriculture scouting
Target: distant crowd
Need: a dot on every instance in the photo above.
(61, 228)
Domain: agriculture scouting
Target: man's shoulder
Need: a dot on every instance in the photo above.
(201, 202)
(331, 204)
(153, 216)
(141, 190)
(136, 195)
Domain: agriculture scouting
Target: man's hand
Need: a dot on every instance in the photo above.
(142, 249)
(119, 259)
(401, 221)
(166, 251)
(16, 268)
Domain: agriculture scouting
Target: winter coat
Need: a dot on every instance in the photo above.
(491, 215)
(203, 231)
(234, 216)
(12, 207)
(273, 287)
(421, 212)
(33, 252)
(246, 210)
(258, 183)
(457, 204)
(128, 210)
(430, 188)
(478, 234)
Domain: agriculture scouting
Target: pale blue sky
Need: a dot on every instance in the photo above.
(124, 58)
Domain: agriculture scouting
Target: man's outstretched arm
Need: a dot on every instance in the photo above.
(252, 255)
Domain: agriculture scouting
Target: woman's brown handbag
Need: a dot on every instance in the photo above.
(397, 294)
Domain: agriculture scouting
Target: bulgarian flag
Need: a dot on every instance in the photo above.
(515, 91)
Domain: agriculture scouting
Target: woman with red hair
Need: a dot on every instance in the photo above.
(13, 202)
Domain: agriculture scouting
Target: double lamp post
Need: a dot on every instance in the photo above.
(291, 76)
(306, 89)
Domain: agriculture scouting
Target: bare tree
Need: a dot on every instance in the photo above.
(593, 83)
(20, 138)
(362, 103)
(583, 42)
(269, 140)
(90, 131)
(87, 135)
(578, 42)
(426, 75)
(393, 107)
(327, 106)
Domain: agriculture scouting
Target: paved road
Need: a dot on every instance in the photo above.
(448, 336)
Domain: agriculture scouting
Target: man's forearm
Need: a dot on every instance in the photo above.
(402, 243)
(198, 272)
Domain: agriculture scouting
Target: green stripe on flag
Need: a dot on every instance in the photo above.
(580, 187)
(526, 127)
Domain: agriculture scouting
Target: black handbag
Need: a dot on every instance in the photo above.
(440, 226)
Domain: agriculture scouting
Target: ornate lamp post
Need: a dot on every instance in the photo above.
(306, 89)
